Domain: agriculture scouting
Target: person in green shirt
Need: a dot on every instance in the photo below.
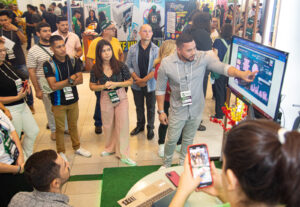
(76, 23)
(261, 165)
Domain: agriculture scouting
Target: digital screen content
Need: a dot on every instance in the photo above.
(264, 92)
(200, 164)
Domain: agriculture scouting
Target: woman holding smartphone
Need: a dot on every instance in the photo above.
(111, 76)
(261, 165)
(12, 94)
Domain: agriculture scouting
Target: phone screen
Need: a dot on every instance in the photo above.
(200, 164)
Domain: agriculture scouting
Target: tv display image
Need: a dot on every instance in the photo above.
(264, 92)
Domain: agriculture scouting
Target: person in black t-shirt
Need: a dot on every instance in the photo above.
(15, 55)
(12, 93)
(49, 17)
(29, 25)
(63, 74)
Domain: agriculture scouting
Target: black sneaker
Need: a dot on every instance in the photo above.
(201, 127)
(98, 129)
(150, 134)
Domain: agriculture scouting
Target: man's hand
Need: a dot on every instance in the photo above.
(248, 75)
(140, 82)
(39, 94)
(11, 27)
(163, 118)
(20, 160)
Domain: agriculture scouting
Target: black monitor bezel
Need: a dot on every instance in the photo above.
(244, 99)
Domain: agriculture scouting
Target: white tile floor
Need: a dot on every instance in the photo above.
(86, 193)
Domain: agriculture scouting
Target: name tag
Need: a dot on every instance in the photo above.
(186, 98)
(10, 54)
(68, 93)
(19, 85)
(113, 96)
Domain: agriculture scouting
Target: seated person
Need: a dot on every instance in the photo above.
(47, 171)
(261, 165)
(11, 160)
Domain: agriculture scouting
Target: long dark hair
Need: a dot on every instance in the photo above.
(201, 21)
(114, 63)
(267, 170)
(90, 14)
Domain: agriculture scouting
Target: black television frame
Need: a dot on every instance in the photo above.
(243, 98)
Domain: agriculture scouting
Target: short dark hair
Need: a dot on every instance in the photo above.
(41, 169)
(201, 21)
(61, 19)
(76, 12)
(53, 4)
(183, 38)
(5, 13)
(55, 38)
(43, 5)
(40, 25)
(226, 31)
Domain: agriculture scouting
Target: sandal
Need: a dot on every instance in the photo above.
(104, 153)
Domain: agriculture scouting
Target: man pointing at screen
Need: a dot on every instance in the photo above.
(184, 70)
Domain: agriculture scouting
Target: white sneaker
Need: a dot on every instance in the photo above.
(162, 168)
(178, 148)
(161, 150)
(83, 152)
(63, 156)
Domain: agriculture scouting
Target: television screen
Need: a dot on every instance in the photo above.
(264, 92)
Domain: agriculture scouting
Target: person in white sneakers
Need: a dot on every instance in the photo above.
(166, 49)
(63, 74)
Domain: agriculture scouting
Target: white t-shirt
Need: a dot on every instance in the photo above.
(5, 127)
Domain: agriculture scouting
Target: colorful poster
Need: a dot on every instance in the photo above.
(176, 18)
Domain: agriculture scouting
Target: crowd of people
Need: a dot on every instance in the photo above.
(174, 75)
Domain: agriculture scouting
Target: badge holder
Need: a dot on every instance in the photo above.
(114, 98)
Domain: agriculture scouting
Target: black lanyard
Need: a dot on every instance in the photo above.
(44, 49)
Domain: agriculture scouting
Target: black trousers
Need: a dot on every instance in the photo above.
(139, 100)
(10, 185)
(29, 33)
(162, 129)
(220, 94)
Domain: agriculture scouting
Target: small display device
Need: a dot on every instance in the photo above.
(173, 177)
(200, 164)
(25, 85)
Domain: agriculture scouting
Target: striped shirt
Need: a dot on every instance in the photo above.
(36, 58)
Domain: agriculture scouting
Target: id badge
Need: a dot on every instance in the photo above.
(186, 98)
(113, 96)
(68, 93)
(11, 55)
(19, 85)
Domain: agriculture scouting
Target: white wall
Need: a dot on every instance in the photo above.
(288, 39)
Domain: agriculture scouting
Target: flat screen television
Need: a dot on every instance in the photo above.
(264, 92)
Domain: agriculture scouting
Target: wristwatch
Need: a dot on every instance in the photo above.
(71, 81)
(160, 112)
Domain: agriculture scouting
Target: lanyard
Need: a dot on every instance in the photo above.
(11, 72)
(11, 34)
(58, 68)
(190, 85)
(44, 49)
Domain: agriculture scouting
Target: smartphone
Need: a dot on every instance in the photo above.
(173, 177)
(25, 84)
(200, 164)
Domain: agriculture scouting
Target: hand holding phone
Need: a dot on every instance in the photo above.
(173, 177)
(25, 85)
(200, 164)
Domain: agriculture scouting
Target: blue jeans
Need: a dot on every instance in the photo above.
(23, 70)
(97, 114)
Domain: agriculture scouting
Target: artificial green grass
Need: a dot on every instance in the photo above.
(85, 177)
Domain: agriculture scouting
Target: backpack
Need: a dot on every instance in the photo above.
(225, 60)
